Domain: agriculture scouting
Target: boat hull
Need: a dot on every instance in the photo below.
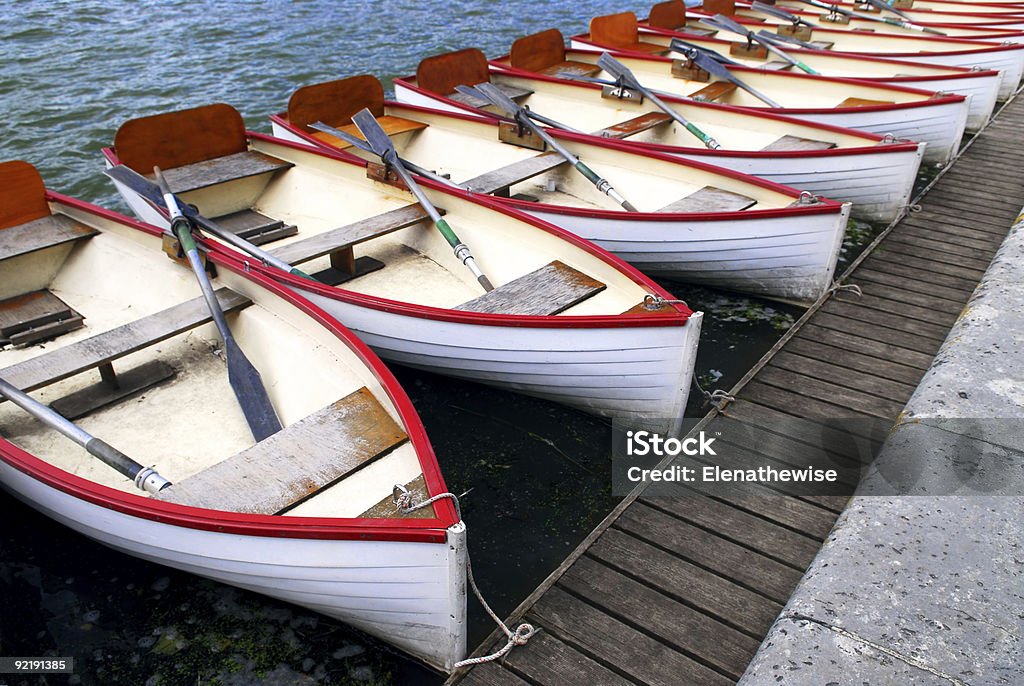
(397, 590)
(877, 180)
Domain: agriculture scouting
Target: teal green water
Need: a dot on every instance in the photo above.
(535, 475)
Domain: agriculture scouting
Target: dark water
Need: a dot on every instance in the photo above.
(535, 475)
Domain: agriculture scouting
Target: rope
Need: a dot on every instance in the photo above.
(523, 633)
(653, 302)
(713, 397)
(851, 287)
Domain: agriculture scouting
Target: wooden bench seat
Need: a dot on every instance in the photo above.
(36, 316)
(514, 92)
(711, 199)
(39, 234)
(392, 126)
(295, 463)
(572, 67)
(104, 348)
(517, 172)
(633, 126)
(788, 143)
(553, 288)
(231, 167)
(713, 91)
(255, 227)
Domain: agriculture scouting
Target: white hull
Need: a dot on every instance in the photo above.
(790, 258)
(878, 182)
(982, 94)
(1010, 65)
(399, 591)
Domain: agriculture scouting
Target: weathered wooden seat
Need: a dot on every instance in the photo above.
(633, 126)
(544, 53)
(713, 91)
(513, 92)
(36, 316)
(255, 227)
(298, 461)
(553, 288)
(502, 178)
(103, 348)
(39, 234)
(621, 31)
(711, 199)
(571, 68)
(788, 143)
(392, 126)
(195, 148)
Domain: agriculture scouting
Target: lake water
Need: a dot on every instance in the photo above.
(535, 475)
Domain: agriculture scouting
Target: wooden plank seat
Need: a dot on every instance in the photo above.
(572, 67)
(294, 464)
(713, 91)
(788, 143)
(711, 199)
(255, 227)
(219, 170)
(392, 126)
(517, 172)
(103, 348)
(553, 288)
(633, 126)
(39, 234)
(37, 316)
(514, 92)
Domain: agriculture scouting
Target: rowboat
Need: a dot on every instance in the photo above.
(1007, 59)
(566, 321)
(304, 515)
(874, 174)
(695, 222)
(960, 14)
(925, 116)
(980, 86)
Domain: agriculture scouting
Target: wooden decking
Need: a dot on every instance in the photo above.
(680, 591)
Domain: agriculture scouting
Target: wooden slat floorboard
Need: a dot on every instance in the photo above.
(680, 589)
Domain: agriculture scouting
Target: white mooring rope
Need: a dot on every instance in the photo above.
(523, 633)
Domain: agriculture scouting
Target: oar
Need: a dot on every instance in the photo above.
(381, 145)
(357, 142)
(724, 23)
(622, 74)
(151, 192)
(145, 478)
(493, 94)
(683, 47)
(244, 379)
(778, 38)
(870, 17)
(780, 13)
(717, 69)
(886, 7)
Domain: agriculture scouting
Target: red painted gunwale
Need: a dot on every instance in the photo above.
(903, 146)
(333, 528)
(826, 206)
(807, 79)
(676, 318)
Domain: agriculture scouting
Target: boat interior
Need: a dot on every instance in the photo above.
(510, 161)
(112, 333)
(609, 113)
(371, 235)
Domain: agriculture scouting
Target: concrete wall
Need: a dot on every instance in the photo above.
(929, 588)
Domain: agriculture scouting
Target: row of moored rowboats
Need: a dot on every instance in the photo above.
(727, 146)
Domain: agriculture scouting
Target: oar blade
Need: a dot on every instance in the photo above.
(247, 385)
(618, 71)
(136, 182)
(684, 47)
(498, 98)
(790, 40)
(728, 24)
(354, 141)
(375, 136)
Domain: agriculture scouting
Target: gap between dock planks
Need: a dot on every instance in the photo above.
(682, 590)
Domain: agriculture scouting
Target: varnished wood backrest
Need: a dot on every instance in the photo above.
(538, 51)
(334, 102)
(726, 7)
(178, 138)
(22, 194)
(442, 73)
(614, 29)
(668, 15)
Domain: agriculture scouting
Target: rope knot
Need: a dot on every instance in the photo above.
(523, 633)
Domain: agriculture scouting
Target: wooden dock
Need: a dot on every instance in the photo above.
(678, 591)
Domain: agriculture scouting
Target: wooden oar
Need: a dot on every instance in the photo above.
(145, 478)
(152, 192)
(780, 13)
(719, 70)
(724, 23)
(870, 17)
(381, 145)
(493, 94)
(357, 142)
(242, 375)
(623, 75)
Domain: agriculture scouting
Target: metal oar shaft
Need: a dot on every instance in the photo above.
(145, 478)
